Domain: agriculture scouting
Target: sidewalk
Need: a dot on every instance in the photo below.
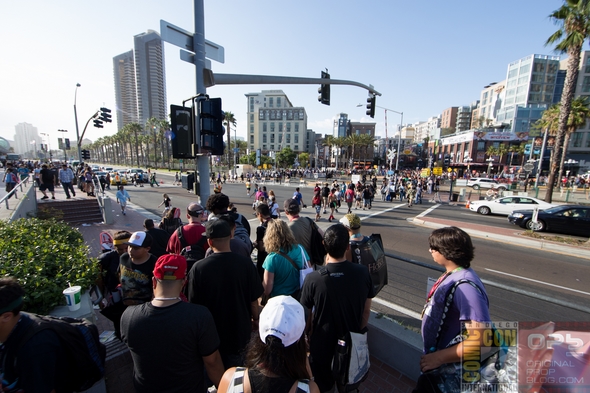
(119, 366)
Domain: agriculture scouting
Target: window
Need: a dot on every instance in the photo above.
(288, 138)
(272, 138)
(288, 127)
(278, 102)
(296, 138)
(290, 115)
(261, 115)
(523, 80)
(263, 147)
(263, 127)
(263, 138)
(296, 127)
(586, 84)
(296, 148)
(280, 138)
(301, 115)
(251, 104)
(576, 140)
(251, 117)
(272, 147)
(525, 69)
(280, 127)
(512, 73)
(251, 129)
(271, 102)
(272, 127)
(273, 115)
(481, 145)
(251, 139)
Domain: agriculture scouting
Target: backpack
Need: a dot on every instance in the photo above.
(325, 192)
(194, 252)
(171, 224)
(81, 344)
(317, 251)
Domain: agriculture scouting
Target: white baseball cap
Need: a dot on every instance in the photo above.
(284, 318)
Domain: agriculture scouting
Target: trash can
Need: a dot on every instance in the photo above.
(455, 197)
(187, 181)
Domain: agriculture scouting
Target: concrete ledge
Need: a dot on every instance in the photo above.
(26, 205)
(396, 346)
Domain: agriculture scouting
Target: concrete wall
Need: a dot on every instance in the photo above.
(395, 345)
(23, 207)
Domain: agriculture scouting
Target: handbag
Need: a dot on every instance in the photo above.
(497, 367)
(303, 272)
(350, 364)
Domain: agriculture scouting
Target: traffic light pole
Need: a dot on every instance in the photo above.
(202, 169)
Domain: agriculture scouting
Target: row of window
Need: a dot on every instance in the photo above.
(266, 114)
(280, 138)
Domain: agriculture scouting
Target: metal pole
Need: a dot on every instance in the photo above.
(399, 142)
(202, 175)
(540, 164)
(235, 146)
(78, 141)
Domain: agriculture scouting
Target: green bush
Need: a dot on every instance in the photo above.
(45, 256)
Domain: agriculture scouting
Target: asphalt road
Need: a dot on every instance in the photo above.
(564, 278)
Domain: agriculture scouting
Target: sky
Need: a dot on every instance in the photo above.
(422, 56)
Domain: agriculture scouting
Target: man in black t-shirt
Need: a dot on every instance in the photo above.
(352, 286)
(159, 238)
(47, 182)
(171, 340)
(136, 270)
(229, 286)
(263, 214)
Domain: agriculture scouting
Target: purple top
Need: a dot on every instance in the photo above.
(468, 304)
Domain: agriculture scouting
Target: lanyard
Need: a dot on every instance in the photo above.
(440, 281)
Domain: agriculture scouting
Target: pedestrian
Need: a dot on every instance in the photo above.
(170, 221)
(302, 227)
(122, 198)
(444, 318)
(10, 179)
(349, 197)
(159, 238)
(66, 176)
(280, 336)
(88, 175)
(42, 365)
(136, 270)
(316, 202)
(47, 182)
(263, 215)
(411, 195)
(229, 286)
(176, 179)
(351, 285)
(298, 197)
(166, 202)
(171, 341)
(332, 203)
(248, 187)
(275, 212)
(325, 193)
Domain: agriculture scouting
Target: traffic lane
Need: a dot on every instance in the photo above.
(460, 213)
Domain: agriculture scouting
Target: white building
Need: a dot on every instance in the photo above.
(274, 123)
(26, 139)
(125, 90)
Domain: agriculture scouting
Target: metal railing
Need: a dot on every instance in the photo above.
(12, 192)
(498, 285)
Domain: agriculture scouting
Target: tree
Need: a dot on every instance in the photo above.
(366, 141)
(354, 140)
(228, 121)
(285, 158)
(502, 149)
(518, 149)
(329, 141)
(304, 159)
(573, 17)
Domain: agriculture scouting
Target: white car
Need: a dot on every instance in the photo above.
(507, 205)
(482, 182)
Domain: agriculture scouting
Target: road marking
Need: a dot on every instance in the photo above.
(427, 211)
(537, 281)
(490, 217)
(397, 308)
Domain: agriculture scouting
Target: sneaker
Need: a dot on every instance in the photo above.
(52, 197)
(74, 194)
(124, 213)
(68, 197)
(45, 197)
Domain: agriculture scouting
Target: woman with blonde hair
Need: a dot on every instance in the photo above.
(285, 258)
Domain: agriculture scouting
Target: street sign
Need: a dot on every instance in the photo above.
(178, 36)
(529, 166)
(449, 170)
(437, 170)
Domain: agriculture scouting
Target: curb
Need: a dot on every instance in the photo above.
(557, 248)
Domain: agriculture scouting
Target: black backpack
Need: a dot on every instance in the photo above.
(193, 252)
(317, 251)
(81, 344)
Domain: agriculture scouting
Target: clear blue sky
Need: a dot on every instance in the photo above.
(423, 56)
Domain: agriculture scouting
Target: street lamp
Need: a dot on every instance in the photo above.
(490, 163)
(48, 144)
(77, 129)
(399, 139)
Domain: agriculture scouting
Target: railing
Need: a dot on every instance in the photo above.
(495, 284)
(12, 192)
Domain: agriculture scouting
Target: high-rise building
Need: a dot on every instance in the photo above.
(579, 145)
(140, 81)
(341, 125)
(274, 123)
(26, 139)
(125, 91)
(448, 118)
(150, 76)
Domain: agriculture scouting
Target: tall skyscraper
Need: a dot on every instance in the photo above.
(140, 81)
(26, 139)
(125, 91)
(150, 76)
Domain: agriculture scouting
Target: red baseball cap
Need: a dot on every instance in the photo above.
(170, 267)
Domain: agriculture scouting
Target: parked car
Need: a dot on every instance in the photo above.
(481, 182)
(507, 205)
(566, 219)
(130, 173)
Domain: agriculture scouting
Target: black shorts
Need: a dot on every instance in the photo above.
(46, 186)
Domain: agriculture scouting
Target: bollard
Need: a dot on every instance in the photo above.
(567, 195)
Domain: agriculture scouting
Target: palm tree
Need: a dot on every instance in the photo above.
(573, 17)
(164, 128)
(502, 149)
(366, 141)
(353, 141)
(228, 121)
(329, 141)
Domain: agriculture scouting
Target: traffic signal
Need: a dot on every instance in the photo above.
(86, 154)
(98, 123)
(447, 160)
(105, 115)
(182, 134)
(67, 144)
(324, 90)
(60, 143)
(371, 105)
(211, 125)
